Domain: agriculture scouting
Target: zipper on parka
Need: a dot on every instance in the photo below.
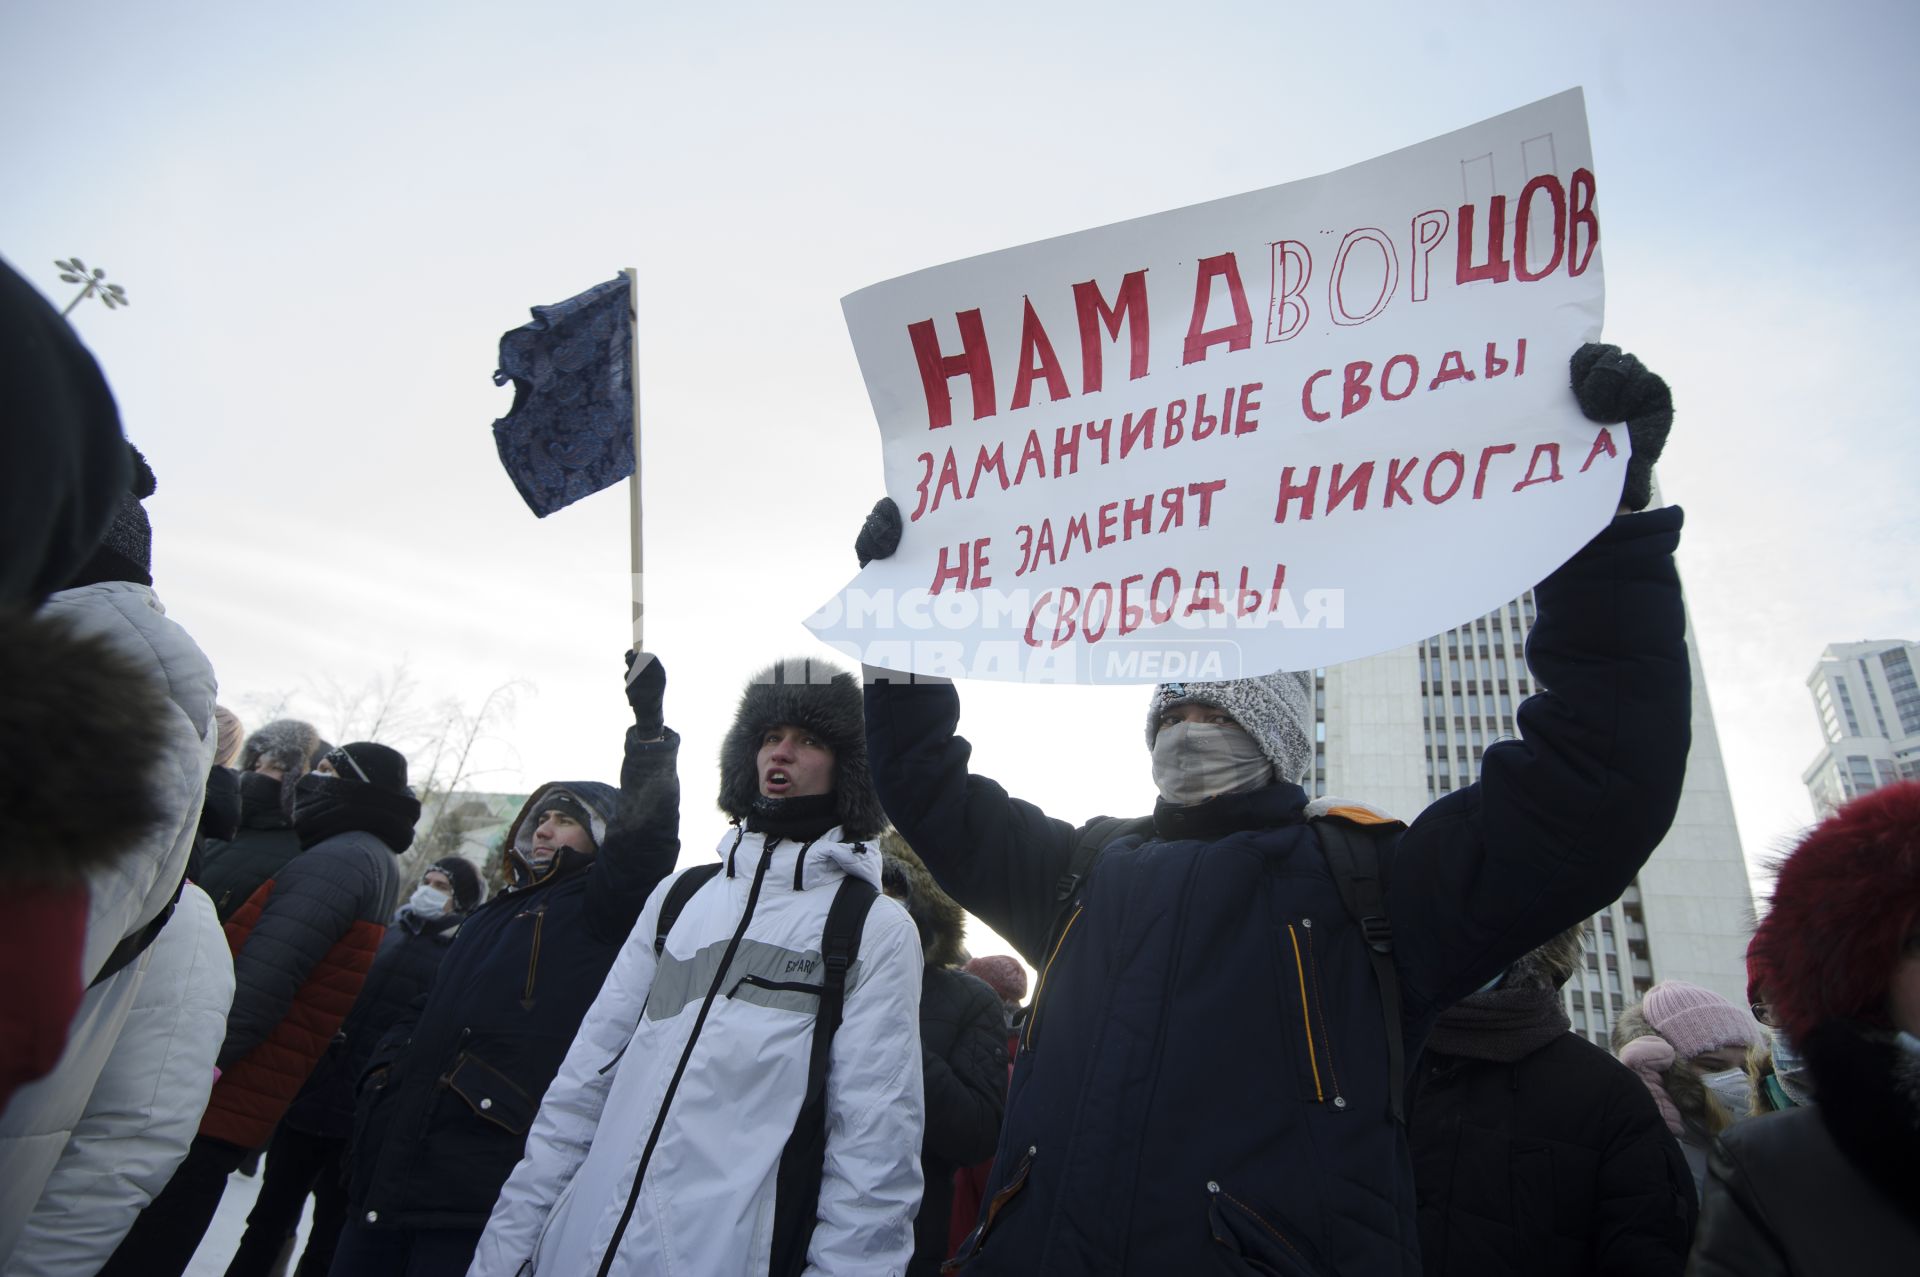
(1033, 1017)
(533, 962)
(686, 1054)
(1326, 1079)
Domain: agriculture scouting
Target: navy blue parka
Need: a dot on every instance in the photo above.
(1202, 1085)
(438, 1132)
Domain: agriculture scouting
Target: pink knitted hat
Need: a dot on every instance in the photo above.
(1696, 1019)
(1002, 974)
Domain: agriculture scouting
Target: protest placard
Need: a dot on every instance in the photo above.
(1274, 431)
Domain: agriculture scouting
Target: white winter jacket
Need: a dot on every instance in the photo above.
(145, 1105)
(707, 1203)
(122, 898)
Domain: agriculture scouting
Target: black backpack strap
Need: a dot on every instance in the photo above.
(1357, 855)
(1092, 839)
(1088, 842)
(840, 944)
(131, 947)
(677, 896)
(797, 1190)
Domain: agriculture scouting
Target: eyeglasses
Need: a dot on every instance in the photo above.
(339, 756)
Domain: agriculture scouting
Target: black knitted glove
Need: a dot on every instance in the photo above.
(1615, 387)
(880, 534)
(646, 688)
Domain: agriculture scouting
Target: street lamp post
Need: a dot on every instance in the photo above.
(74, 271)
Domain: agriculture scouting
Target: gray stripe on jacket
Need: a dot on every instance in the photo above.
(681, 981)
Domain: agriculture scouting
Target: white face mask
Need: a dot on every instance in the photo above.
(429, 902)
(1193, 762)
(1790, 1069)
(1733, 1090)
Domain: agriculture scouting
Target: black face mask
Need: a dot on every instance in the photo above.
(264, 802)
(327, 805)
(808, 816)
(314, 791)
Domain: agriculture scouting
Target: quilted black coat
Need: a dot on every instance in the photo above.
(232, 871)
(1555, 1163)
(963, 1046)
(302, 945)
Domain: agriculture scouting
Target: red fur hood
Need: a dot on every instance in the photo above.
(1845, 901)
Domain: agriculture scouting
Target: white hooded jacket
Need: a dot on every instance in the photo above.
(145, 1105)
(59, 1116)
(706, 1205)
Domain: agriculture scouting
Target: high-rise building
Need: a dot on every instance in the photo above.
(1869, 708)
(1400, 729)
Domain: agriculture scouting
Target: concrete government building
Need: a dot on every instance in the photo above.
(1400, 729)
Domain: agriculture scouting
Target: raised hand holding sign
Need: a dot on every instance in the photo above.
(1231, 439)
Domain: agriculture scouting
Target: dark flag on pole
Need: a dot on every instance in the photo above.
(570, 431)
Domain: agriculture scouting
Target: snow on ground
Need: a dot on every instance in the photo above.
(223, 1235)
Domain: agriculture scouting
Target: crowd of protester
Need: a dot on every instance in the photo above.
(1265, 1034)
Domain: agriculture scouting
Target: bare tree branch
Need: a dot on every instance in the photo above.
(450, 747)
(452, 769)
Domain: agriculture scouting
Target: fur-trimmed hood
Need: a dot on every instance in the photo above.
(1551, 964)
(942, 922)
(1845, 901)
(824, 699)
(82, 727)
(601, 801)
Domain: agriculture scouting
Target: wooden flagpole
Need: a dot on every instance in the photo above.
(633, 484)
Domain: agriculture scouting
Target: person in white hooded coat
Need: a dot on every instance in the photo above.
(83, 1149)
(145, 1105)
(659, 1146)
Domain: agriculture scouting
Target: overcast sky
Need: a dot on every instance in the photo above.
(325, 218)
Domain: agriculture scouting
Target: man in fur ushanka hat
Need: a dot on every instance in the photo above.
(669, 1141)
(785, 788)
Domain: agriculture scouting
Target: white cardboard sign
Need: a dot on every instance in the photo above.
(1274, 431)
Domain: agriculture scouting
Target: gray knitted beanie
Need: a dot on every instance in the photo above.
(130, 536)
(125, 551)
(1275, 709)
